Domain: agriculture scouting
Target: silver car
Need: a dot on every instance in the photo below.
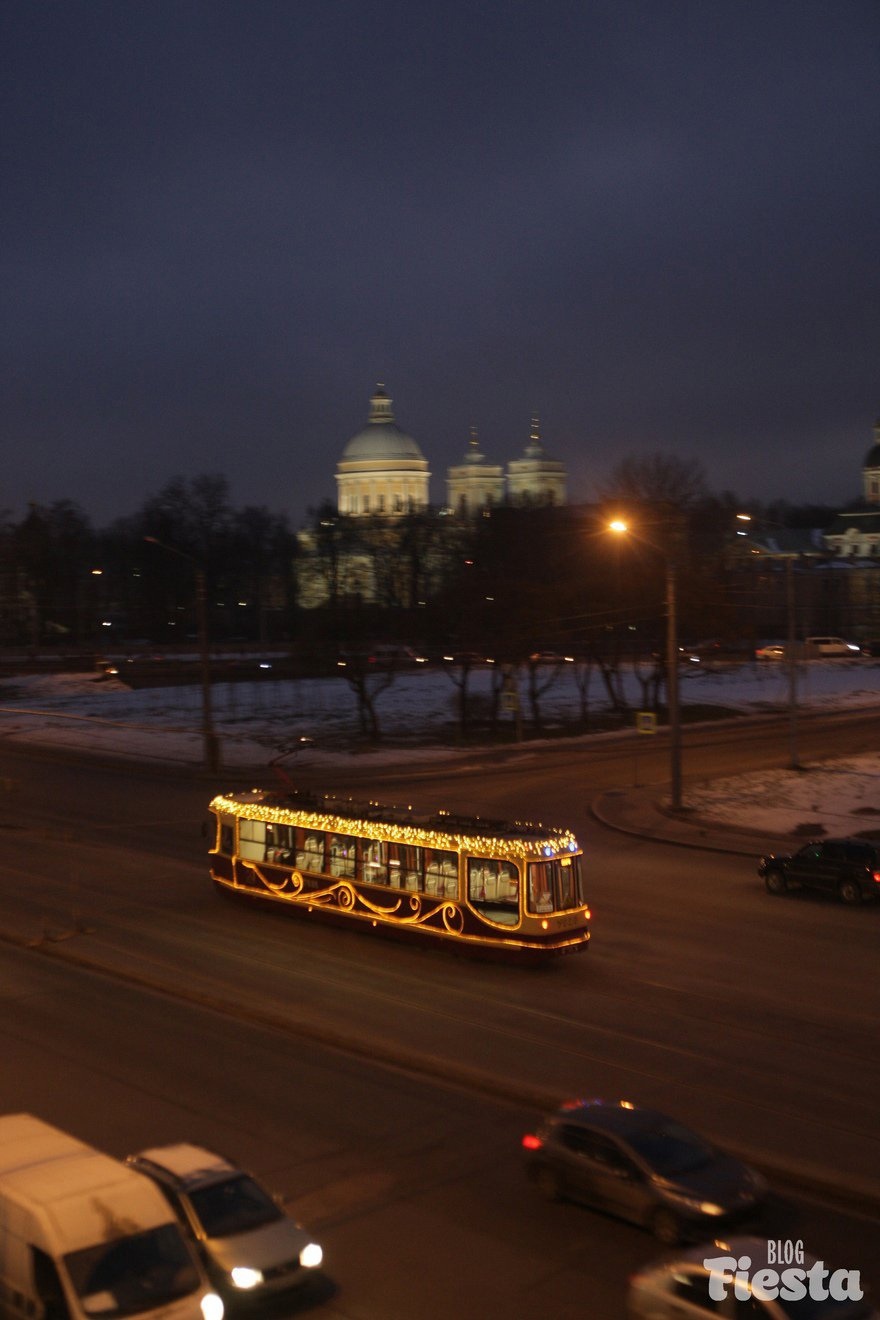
(745, 1277)
(250, 1247)
(640, 1165)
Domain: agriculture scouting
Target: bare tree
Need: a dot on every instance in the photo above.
(656, 478)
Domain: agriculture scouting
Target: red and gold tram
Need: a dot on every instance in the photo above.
(480, 885)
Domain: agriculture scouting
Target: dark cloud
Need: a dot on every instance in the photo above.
(653, 223)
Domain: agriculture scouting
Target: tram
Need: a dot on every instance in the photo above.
(483, 886)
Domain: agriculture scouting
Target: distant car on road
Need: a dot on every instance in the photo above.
(829, 648)
(773, 651)
(382, 657)
(848, 869)
(250, 1247)
(719, 648)
(680, 1285)
(642, 1166)
(471, 659)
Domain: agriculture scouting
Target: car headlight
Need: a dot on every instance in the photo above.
(311, 1256)
(212, 1307)
(695, 1205)
(244, 1277)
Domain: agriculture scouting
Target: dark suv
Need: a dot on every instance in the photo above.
(846, 868)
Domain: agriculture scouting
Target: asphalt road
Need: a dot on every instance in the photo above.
(415, 1190)
(754, 1021)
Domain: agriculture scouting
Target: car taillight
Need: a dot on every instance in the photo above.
(531, 1142)
(876, 875)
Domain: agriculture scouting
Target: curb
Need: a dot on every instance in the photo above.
(711, 838)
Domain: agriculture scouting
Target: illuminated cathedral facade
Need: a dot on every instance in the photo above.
(383, 471)
(381, 476)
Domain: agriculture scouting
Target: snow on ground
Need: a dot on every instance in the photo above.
(254, 720)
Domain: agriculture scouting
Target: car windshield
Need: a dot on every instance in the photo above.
(670, 1149)
(236, 1205)
(133, 1274)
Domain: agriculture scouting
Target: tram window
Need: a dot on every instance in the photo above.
(279, 843)
(555, 886)
(374, 862)
(493, 889)
(567, 885)
(407, 862)
(341, 855)
(310, 850)
(541, 887)
(227, 837)
(252, 839)
(441, 873)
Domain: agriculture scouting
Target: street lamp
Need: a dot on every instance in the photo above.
(790, 646)
(209, 737)
(621, 528)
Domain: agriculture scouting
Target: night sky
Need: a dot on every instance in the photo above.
(654, 223)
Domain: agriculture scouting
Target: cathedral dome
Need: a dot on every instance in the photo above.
(381, 440)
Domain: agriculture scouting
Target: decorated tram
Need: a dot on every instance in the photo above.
(485, 886)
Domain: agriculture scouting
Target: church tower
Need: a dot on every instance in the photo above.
(474, 484)
(871, 469)
(535, 478)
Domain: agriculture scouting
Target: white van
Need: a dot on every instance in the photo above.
(829, 646)
(84, 1237)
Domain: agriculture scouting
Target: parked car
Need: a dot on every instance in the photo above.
(382, 657)
(248, 1244)
(680, 1285)
(772, 651)
(849, 869)
(829, 648)
(642, 1166)
(470, 658)
(718, 648)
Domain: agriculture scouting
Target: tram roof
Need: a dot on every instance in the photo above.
(363, 818)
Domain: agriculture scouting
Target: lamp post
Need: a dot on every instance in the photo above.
(621, 527)
(209, 738)
(790, 649)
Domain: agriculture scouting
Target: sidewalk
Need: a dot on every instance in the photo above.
(642, 812)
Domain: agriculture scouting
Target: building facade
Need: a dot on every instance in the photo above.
(382, 471)
(855, 533)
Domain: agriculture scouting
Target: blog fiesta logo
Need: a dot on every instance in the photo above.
(789, 1275)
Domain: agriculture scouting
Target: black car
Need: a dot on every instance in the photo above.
(642, 1166)
(849, 869)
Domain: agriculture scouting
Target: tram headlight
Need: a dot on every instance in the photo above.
(245, 1277)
